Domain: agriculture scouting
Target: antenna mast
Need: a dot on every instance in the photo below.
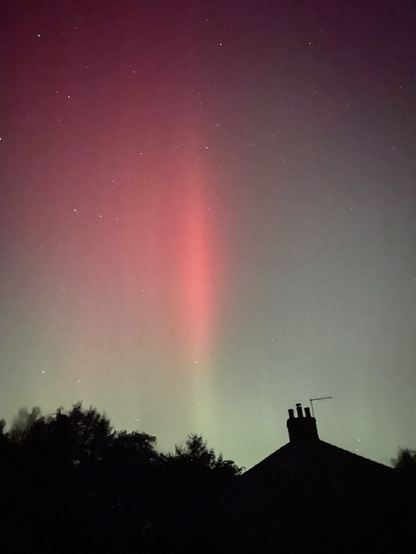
(312, 400)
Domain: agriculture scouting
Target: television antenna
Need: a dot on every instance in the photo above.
(312, 400)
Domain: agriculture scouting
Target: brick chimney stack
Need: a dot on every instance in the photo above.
(303, 427)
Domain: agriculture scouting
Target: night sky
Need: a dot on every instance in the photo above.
(208, 213)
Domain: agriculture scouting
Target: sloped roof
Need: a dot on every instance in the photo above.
(301, 473)
(309, 494)
(307, 459)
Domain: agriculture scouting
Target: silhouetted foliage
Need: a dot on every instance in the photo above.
(5, 446)
(76, 485)
(405, 461)
(71, 483)
(192, 477)
(405, 464)
(196, 464)
(23, 423)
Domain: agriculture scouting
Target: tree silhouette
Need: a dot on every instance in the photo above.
(132, 449)
(198, 464)
(74, 484)
(405, 461)
(22, 424)
(4, 438)
(190, 477)
(405, 464)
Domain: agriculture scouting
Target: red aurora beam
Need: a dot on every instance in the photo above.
(197, 271)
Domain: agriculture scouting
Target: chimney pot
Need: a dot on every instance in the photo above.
(302, 429)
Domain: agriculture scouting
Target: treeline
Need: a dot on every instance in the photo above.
(69, 483)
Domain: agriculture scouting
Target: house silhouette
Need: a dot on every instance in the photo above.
(311, 496)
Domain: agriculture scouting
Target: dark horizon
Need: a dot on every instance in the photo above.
(68, 484)
(300, 425)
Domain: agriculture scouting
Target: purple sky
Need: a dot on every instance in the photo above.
(208, 214)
